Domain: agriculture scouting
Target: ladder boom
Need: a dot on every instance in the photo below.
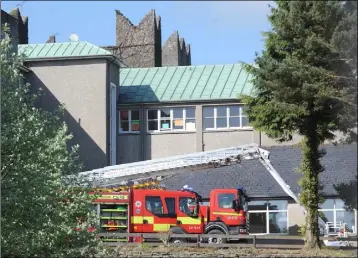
(117, 175)
(141, 168)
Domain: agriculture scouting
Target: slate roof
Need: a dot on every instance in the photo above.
(340, 163)
(64, 49)
(183, 83)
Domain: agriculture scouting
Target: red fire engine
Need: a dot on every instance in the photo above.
(150, 210)
(178, 212)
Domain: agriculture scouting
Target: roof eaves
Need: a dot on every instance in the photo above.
(192, 101)
(43, 59)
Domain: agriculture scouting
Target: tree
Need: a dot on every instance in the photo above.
(303, 86)
(40, 211)
(348, 193)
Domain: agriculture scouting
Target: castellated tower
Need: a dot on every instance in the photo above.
(138, 46)
(141, 45)
(175, 52)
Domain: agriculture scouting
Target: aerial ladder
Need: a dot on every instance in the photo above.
(159, 169)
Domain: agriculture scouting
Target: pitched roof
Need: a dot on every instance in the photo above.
(183, 83)
(64, 49)
(340, 164)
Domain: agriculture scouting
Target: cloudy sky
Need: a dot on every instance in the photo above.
(219, 32)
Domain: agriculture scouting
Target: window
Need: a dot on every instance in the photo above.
(224, 117)
(171, 119)
(154, 205)
(268, 217)
(129, 121)
(185, 204)
(333, 211)
(225, 200)
(170, 202)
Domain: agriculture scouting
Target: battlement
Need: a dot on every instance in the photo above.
(18, 26)
(141, 45)
(138, 45)
(175, 52)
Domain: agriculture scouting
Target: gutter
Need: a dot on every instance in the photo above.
(108, 57)
(186, 102)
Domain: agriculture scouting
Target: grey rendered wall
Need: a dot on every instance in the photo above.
(169, 144)
(296, 217)
(81, 85)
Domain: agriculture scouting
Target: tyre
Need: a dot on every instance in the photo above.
(216, 240)
(178, 240)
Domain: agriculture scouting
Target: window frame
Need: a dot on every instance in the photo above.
(129, 121)
(334, 209)
(267, 213)
(171, 118)
(228, 116)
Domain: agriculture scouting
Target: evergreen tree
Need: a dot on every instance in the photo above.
(303, 85)
(39, 211)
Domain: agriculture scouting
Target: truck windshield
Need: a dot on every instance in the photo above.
(226, 199)
(188, 205)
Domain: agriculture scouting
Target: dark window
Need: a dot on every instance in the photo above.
(154, 204)
(170, 202)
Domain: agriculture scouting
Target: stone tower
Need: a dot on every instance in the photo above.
(175, 52)
(141, 45)
(18, 26)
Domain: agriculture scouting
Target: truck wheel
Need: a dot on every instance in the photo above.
(216, 240)
(178, 240)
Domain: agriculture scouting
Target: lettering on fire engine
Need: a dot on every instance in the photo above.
(194, 227)
(232, 217)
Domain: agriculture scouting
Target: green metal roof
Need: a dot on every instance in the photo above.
(183, 83)
(65, 49)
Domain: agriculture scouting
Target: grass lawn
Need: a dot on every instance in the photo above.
(147, 251)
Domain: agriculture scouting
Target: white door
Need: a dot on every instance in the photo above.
(113, 125)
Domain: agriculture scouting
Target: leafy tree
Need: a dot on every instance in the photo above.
(348, 193)
(39, 210)
(303, 85)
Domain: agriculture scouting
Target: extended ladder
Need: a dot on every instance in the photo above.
(120, 174)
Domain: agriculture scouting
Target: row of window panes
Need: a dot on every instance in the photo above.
(224, 117)
(169, 119)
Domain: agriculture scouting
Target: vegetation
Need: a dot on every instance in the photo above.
(348, 193)
(40, 211)
(304, 84)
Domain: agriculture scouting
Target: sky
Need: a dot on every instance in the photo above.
(218, 32)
